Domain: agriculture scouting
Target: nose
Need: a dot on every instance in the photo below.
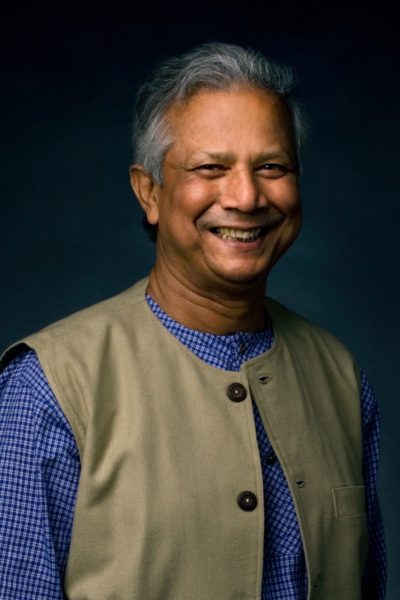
(241, 191)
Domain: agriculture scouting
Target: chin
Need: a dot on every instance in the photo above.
(245, 278)
(240, 272)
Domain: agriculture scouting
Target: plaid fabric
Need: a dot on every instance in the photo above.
(39, 473)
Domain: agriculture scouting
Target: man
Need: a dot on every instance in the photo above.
(225, 448)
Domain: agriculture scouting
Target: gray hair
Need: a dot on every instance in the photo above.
(213, 66)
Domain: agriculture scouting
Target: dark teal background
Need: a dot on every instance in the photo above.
(70, 226)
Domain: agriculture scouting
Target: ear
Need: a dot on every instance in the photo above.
(146, 192)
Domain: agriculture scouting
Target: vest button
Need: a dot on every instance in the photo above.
(236, 392)
(247, 501)
(270, 458)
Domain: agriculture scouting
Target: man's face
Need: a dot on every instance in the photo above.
(229, 206)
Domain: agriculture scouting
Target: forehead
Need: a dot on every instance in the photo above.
(240, 116)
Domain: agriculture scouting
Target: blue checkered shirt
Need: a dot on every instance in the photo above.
(39, 474)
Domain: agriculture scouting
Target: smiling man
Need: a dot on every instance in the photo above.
(227, 208)
(190, 439)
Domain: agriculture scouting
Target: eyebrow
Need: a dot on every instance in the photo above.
(230, 157)
(224, 156)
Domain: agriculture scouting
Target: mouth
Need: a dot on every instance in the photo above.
(238, 235)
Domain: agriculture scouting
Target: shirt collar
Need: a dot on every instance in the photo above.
(226, 352)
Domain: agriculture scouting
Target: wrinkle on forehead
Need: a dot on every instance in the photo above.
(208, 123)
(178, 108)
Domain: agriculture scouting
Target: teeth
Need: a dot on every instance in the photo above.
(244, 235)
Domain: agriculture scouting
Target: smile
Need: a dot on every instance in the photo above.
(238, 235)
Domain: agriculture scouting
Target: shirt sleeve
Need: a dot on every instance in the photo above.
(374, 581)
(39, 472)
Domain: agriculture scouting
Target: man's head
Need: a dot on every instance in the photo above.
(212, 66)
(216, 151)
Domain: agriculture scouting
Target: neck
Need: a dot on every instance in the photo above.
(232, 308)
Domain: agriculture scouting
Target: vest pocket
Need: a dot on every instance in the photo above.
(349, 501)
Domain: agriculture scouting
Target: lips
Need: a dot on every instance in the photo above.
(238, 235)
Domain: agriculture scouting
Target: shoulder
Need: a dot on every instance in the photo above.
(83, 326)
(79, 352)
(100, 314)
(314, 349)
(289, 323)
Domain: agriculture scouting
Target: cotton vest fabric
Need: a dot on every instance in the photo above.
(165, 454)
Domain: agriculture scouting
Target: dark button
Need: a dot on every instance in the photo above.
(242, 348)
(247, 501)
(236, 392)
(300, 483)
(270, 458)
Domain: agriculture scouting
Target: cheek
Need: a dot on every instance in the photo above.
(191, 201)
(179, 212)
(286, 198)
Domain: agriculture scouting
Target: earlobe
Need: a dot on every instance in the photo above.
(145, 190)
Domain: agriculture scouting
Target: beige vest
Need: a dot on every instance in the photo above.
(165, 453)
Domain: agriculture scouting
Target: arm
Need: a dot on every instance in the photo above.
(39, 471)
(374, 581)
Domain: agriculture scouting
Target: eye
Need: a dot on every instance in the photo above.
(210, 170)
(272, 170)
(210, 167)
